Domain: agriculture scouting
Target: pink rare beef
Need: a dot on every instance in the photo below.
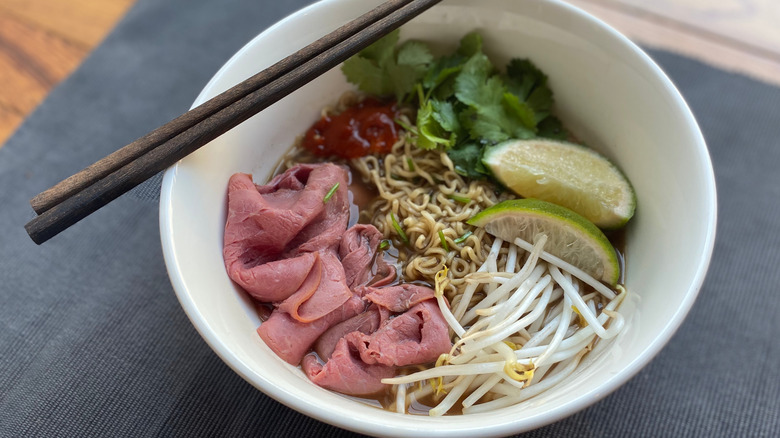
(287, 243)
(271, 230)
(291, 339)
(357, 250)
(346, 373)
(366, 322)
(419, 335)
(362, 357)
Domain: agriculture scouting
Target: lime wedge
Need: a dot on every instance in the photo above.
(570, 236)
(566, 174)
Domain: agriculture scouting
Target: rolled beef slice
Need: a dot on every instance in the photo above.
(271, 230)
(359, 352)
(346, 373)
(323, 291)
(291, 339)
(419, 335)
(399, 298)
(366, 322)
(357, 250)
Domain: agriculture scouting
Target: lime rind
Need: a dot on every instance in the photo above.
(566, 174)
(570, 236)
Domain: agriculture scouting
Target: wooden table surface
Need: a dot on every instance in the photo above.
(42, 41)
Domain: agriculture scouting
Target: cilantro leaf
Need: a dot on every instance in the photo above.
(402, 79)
(529, 84)
(437, 125)
(411, 65)
(430, 131)
(470, 44)
(415, 54)
(382, 50)
(382, 70)
(467, 160)
(444, 113)
(494, 114)
(443, 69)
(471, 84)
(541, 101)
(368, 76)
(522, 110)
(482, 127)
(551, 127)
(526, 76)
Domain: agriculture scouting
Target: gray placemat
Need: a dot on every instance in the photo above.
(94, 342)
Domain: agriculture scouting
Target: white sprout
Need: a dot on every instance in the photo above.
(400, 399)
(527, 333)
(568, 267)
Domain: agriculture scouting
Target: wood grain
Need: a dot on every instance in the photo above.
(41, 43)
(81, 22)
(735, 35)
(751, 25)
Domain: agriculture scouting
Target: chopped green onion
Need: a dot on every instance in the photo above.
(410, 163)
(397, 177)
(384, 244)
(443, 241)
(399, 230)
(330, 193)
(458, 198)
(463, 238)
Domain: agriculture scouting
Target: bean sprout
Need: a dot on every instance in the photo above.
(527, 333)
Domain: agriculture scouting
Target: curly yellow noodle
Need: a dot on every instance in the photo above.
(424, 192)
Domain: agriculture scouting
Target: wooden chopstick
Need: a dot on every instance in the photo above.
(75, 183)
(81, 203)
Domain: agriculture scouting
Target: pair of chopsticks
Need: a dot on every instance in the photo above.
(85, 192)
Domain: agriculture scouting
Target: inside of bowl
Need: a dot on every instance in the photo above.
(607, 91)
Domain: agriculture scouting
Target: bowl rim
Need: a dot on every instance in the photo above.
(555, 414)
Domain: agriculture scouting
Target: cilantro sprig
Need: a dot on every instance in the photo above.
(383, 69)
(465, 104)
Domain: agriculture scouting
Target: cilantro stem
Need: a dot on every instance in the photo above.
(407, 127)
(458, 198)
(398, 229)
(410, 163)
(330, 193)
(420, 94)
(463, 238)
(443, 241)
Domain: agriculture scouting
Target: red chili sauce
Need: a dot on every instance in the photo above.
(366, 128)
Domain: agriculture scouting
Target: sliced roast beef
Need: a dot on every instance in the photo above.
(417, 336)
(287, 243)
(357, 250)
(397, 298)
(274, 281)
(366, 322)
(291, 339)
(287, 218)
(323, 291)
(346, 373)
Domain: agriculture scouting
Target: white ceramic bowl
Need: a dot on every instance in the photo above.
(607, 91)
